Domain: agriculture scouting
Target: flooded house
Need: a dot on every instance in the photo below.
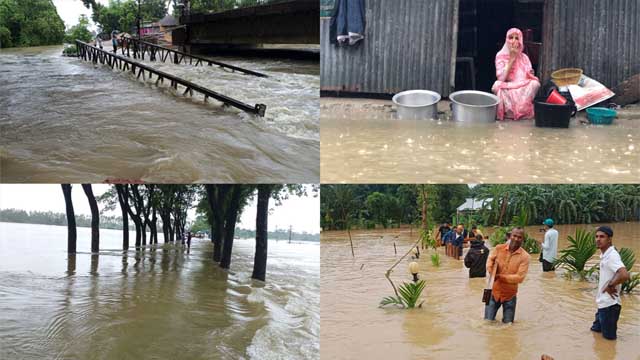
(450, 45)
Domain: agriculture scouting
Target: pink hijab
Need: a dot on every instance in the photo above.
(521, 70)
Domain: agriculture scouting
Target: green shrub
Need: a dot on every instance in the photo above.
(435, 259)
(628, 259)
(531, 245)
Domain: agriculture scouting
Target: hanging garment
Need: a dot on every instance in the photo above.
(516, 89)
(347, 22)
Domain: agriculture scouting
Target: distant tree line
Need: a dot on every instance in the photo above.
(54, 218)
(147, 204)
(29, 23)
(367, 206)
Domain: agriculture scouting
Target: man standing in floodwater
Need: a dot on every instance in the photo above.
(458, 240)
(549, 245)
(442, 231)
(512, 267)
(612, 274)
(476, 258)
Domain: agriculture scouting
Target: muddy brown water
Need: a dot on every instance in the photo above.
(553, 314)
(160, 303)
(373, 147)
(63, 119)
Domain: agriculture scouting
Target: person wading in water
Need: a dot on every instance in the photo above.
(512, 267)
(612, 274)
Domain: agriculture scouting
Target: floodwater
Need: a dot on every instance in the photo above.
(67, 120)
(553, 314)
(163, 302)
(379, 149)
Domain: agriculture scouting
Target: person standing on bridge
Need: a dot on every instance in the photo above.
(98, 41)
(114, 40)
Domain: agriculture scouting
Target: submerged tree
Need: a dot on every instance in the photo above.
(262, 215)
(123, 198)
(95, 218)
(71, 219)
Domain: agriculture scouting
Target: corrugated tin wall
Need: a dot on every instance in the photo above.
(600, 36)
(407, 45)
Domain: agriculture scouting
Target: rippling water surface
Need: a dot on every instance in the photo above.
(379, 149)
(163, 302)
(64, 119)
(553, 314)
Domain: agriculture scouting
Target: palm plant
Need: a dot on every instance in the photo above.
(581, 249)
(408, 297)
(628, 259)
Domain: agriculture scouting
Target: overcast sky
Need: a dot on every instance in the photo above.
(70, 11)
(301, 213)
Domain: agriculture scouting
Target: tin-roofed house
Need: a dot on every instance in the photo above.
(447, 45)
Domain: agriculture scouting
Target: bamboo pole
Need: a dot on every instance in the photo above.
(388, 273)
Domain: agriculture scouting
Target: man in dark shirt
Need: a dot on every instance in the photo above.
(442, 231)
(476, 258)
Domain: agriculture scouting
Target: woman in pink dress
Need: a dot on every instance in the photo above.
(516, 85)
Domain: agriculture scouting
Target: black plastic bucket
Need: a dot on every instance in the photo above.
(553, 115)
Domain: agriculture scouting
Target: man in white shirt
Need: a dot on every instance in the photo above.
(612, 275)
(549, 246)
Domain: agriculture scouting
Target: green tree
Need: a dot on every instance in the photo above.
(29, 23)
(79, 31)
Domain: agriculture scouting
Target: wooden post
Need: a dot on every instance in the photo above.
(351, 242)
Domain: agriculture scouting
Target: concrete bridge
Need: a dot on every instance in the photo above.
(286, 22)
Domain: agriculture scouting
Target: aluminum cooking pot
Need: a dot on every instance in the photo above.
(417, 104)
(473, 106)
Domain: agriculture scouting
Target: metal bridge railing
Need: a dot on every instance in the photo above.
(155, 52)
(95, 55)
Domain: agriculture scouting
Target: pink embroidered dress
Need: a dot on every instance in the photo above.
(516, 89)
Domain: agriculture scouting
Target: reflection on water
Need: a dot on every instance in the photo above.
(163, 302)
(553, 314)
(383, 150)
(103, 124)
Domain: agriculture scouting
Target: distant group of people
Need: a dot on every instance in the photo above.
(509, 263)
(454, 238)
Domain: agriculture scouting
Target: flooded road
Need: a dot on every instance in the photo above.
(164, 302)
(372, 149)
(553, 314)
(67, 120)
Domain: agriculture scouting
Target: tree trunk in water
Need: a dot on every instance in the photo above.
(165, 227)
(171, 231)
(216, 203)
(123, 199)
(95, 218)
(154, 227)
(71, 219)
(262, 217)
(230, 226)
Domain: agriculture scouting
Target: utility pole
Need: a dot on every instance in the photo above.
(139, 17)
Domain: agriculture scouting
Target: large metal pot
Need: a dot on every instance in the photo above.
(417, 104)
(474, 106)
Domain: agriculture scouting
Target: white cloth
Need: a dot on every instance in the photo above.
(610, 262)
(550, 245)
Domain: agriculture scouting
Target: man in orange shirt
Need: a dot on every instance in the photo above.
(513, 265)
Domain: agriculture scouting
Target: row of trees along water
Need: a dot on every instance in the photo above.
(36, 22)
(115, 223)
(146, 204)
(365, 206)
